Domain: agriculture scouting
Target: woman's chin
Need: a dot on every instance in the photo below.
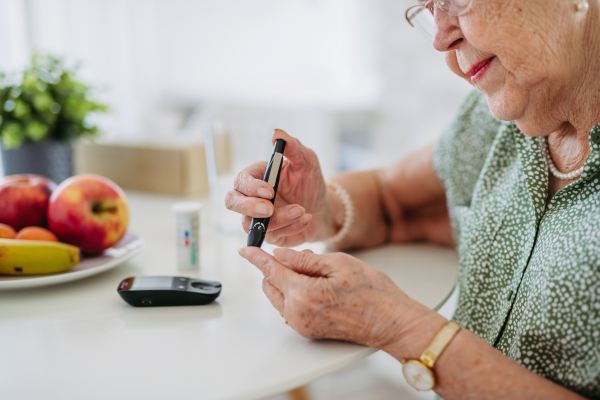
(505, 104)
(513, 107)
(500, 107)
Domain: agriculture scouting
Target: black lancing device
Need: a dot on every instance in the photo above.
(258, 226)
(159, 291)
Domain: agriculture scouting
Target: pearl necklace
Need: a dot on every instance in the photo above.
(565, 177)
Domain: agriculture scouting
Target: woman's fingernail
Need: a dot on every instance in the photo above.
(242, 251)
(266, 193)
(262, 208)
(305, 218)
(296, 212)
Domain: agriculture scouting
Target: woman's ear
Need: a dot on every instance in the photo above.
(452, 63)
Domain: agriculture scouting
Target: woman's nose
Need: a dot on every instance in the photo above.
(446, 32)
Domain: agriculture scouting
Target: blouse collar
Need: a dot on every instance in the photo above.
(535, 168)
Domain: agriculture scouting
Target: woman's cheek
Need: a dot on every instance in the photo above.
(452, 63)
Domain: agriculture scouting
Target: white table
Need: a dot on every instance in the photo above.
(81, 341)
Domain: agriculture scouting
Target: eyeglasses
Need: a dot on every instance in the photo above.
(418, 17)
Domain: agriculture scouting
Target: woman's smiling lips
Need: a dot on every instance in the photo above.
(478, 69)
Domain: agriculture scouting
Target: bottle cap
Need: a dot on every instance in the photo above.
(189, 208)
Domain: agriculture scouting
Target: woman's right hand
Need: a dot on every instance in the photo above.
(301, 205)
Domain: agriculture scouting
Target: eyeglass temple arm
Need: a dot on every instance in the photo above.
(406, 13)
(415, 6)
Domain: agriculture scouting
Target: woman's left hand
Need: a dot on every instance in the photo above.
(336, 296)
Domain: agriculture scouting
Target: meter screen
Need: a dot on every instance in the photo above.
(152, 282)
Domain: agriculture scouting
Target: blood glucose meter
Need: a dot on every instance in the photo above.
(157, 291)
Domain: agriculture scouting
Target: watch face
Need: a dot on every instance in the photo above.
(418, 375)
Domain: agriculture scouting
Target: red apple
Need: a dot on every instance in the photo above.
(88, 211)
(24, 200)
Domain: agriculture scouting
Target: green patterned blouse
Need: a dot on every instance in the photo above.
(529, 272)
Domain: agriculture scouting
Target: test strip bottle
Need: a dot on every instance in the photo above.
(187, 230)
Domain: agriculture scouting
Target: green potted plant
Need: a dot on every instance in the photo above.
(41, 111)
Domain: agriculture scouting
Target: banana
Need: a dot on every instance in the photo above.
(31, 257)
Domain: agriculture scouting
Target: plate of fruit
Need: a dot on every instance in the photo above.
(51, 235)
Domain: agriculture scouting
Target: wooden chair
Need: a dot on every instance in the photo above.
(300, 393)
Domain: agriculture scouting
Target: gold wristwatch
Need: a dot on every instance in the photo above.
(419, 373)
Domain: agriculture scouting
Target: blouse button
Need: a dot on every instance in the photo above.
(509, 296)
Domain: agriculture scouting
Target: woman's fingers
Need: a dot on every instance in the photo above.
(296, 153)
(273, 236)
(249, 181)
(275, 273)
(282, 217)
(289, 241)
(274, 295)
(307, 263)
(251, 206)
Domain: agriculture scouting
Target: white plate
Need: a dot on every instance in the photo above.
(130, 246)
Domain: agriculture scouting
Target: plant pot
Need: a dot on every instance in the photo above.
(49, 158)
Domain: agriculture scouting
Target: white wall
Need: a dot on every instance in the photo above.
(333, 55)
(420, 94)
(293, 53)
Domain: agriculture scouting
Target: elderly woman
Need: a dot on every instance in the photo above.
(517, 190)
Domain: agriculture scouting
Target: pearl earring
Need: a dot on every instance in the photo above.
(583, 6)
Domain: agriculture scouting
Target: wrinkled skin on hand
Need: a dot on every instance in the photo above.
(335, 296)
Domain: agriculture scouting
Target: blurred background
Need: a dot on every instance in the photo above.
(350, 78)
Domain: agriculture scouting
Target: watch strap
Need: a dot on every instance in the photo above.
(439, 343)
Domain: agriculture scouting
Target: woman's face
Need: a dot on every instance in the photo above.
(526, 56)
